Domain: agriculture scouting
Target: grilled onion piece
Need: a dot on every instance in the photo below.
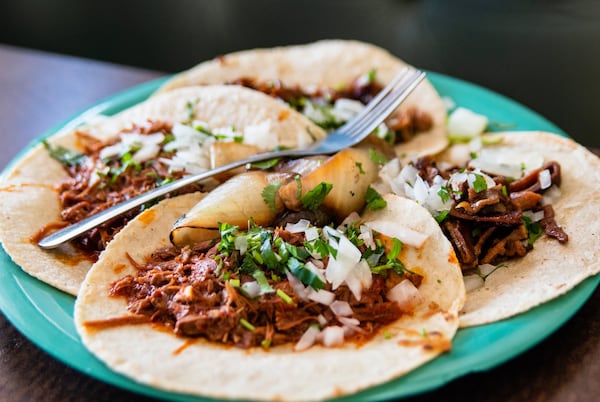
(351, 171)
(234, 202)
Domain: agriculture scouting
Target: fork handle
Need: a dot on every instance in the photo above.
(70, 232)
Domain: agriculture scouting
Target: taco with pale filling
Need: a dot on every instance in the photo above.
(80, 172)
(294, 311)
(519, 211)
(330, 81)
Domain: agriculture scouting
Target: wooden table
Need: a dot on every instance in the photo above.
(39, 90)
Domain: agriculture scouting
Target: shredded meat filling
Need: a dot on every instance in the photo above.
(406, 124)
(187, 291)
(489, 226)
(80, 199)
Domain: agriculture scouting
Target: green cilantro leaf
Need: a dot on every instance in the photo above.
(63, 155)
(269, 194)
(444, 194)
(377, 157)
(305, 275)
(314, 198)
(374, 200)
(479, 184)
(534, 230)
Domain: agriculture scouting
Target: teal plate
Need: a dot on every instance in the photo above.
(45, 315)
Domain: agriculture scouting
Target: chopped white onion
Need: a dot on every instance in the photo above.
(360, 278)
(251, 289)
(472, 282)
(341, 308)
(298, 227)
(466, 124)
(344, 109)
(534, 216)
(298, 287)
(314, 113)
(338, 268)
(448, 103)
(241, 244)
(366, 235)
(111, 151)
(332, 336)
(321, 296)
(319, 272)
(402, 233)
(322, 320)
(308, 338)
(260, 134)
(353, 217)
(311, 234)
(486, 269)
(405, 294)
(545, 179)
(350, 322)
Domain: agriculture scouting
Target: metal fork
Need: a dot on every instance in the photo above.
(351, 133)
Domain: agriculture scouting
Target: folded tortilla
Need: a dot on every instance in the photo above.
(324, 64)
(158, 358)
(29, 200)
(551, 269)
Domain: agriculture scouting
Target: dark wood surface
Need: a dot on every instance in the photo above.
(40, 90)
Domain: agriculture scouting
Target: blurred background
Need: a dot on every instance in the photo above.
(544, 54)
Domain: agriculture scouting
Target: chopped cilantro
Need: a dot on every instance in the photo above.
(284, 296)
(392, 262)
(262, 281)
(321, 247)
(374, 200)
(63, 155)
(168, 138)
(298, 180)
(534, 230)
(479, 184)
(269, 194)
(244, 323)
(441, 217)
(305, 275)
(377, 157)
(264, 165)
(444, 194)
(189, 106)
(227, 244)
(314, 198)
(395, 251)
(371, 75)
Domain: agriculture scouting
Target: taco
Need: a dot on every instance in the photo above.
(300, 312)
(328, 81)
(77, 173)
(519, 211)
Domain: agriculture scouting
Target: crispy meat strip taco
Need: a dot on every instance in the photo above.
(329, 81)
(78, 173)
(519, 211)
(300, 312)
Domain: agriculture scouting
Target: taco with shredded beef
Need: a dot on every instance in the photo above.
(295, 311)
(329, 81)
(78, 173)
(520, 212)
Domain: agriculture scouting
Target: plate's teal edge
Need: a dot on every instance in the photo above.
(44, 314)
